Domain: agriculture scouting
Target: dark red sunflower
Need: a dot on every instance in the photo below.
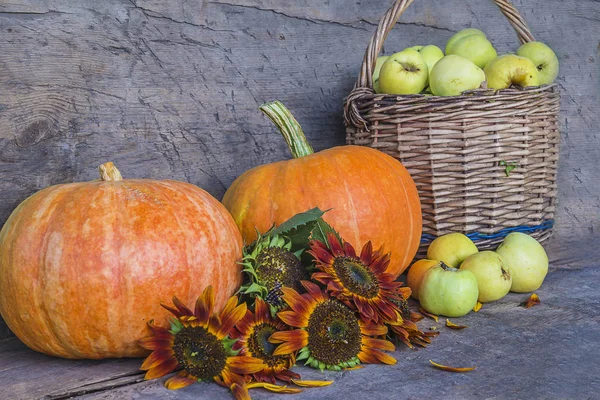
(360, 282)
(403, 326)
(329, 334)
(198, 343)
(253, 332)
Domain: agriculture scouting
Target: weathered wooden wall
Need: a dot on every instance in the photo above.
(170, 89)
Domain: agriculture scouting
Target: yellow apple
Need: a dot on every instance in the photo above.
(403, 73)
(511, 69)
(459, 35)
(453, 74)
(492, 273)
(378, 65)
(475, 48)
(544, 59)
(452, 249)
(431, 54)
(526, 259)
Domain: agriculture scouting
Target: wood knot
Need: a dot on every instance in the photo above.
(34, 133)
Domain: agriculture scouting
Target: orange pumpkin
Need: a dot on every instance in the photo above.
(371, 196)
(84, 266)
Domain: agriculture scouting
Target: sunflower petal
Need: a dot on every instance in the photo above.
(286, 336)
(366, 254)
(229, 320)
(533, 300)
(157, 357)
(452, 325)
(349, 250)
(181, 307)
(261, 311)
(379, 344)
(372, 356)
(314, 290)
(427, 314)
(451, 369)
(354, 368)
(204, 305)
(299, 382)
(334, 244)
(244, 365)
(371, 329)
(294, 319)
(320, 253)
(153, 343)
(179, 381)
(295, 300)
(290, 347)
(162, 369)
(240, 392)
(273, 388)
(477, 307)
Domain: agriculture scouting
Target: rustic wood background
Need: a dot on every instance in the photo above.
(170, 89)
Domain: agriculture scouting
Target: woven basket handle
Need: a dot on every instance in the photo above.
(365, 77)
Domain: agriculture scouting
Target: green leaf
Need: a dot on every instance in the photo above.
(322, 229)
(255, 288)
(176, 325)
(509, 166)
(298, 221)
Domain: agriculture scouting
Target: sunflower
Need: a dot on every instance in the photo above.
(252, 334)
(270, 265)
(329, 334)
(360, 282)
(403, 327)
(198, 343)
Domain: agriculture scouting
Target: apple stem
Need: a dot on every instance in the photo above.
(289, 127)
(444, 266)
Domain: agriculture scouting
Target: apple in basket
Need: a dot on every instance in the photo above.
(404, 72)
(453, 74)
(511, 69)
(543, 58)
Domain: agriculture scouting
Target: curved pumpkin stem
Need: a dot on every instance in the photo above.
(108, 172)
(289, 127)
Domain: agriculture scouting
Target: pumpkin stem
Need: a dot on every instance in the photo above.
(289, 127)
(108, 172)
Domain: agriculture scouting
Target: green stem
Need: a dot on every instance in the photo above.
(289, 127)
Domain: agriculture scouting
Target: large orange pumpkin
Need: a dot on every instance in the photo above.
(84, 266)
(371, 196)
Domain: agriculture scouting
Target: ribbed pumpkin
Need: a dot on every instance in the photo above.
(371, 196)
(84, 266)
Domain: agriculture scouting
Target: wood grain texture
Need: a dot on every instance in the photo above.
(171, 91)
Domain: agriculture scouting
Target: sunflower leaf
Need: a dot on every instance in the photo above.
(322, 229)
(299, 227)
(254, 288)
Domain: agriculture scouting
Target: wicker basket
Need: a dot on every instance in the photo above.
(457, 148)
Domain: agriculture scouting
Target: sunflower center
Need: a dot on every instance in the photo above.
(333, 333)
(356, 277)
(260, 347)
(200, 352)
(277, 267)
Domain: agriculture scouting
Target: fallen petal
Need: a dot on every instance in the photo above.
(273, 388)
(477, 307)
(452, 325)
(451, 369)
(434, 317)
(533, 300)
(302, 383)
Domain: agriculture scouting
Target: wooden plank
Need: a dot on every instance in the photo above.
(171, 91)
(542, 352)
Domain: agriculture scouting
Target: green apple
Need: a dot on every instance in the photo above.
(511, 69)
(526, 259)
(453, 74)
(416, 273)
(459, 35)
(378, 64)
(417, 48)
(544, 59)
(448, 291)
(452, 249)
(493, 275)
(431, 54)
(404, 73)
(475, 48)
